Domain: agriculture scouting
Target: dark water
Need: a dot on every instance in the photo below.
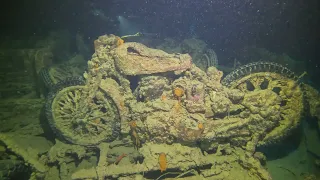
(289, 27)
(227, 26)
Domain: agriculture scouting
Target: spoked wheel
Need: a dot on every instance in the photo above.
(281, 81)
(81, 120)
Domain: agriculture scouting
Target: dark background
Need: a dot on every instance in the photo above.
(290, 27)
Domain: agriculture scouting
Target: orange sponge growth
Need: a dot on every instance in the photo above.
(179, 92)
(120, 42)
(162, 162)
(200, 126)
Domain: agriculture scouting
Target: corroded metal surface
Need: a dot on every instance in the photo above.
(189, 115)
(135, 59)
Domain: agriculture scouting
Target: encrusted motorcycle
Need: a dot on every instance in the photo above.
(157, 98)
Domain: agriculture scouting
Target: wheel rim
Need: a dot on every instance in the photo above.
(287, 89)
(82, 120)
